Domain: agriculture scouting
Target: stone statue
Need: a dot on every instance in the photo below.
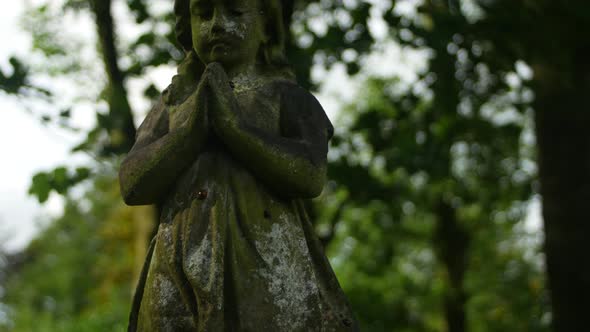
(229, 152)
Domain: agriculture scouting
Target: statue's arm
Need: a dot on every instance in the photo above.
(162, 151)
(292, 166)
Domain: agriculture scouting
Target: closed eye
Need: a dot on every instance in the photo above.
(236, 12)
(201, 11)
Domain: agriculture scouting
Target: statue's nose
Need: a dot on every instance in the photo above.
(219, 21)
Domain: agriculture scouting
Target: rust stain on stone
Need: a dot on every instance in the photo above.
(202, 194)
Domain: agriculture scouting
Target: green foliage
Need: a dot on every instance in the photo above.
(49, 39)
(390, 172)
(12, 83)
(60, 180)
(77, 275)
(18, 82)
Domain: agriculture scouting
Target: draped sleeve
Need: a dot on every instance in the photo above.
(153, 127)
(302, 116)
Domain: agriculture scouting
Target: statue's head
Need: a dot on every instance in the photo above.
(232, 31)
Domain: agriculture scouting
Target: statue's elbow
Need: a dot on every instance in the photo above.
(313, 192)
(129, 190)
(313, 186)
(128, 193)
(133, 195)
(318, 186)
(129, 197)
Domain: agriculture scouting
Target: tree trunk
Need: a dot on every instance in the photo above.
(120, 124)
(562, 126)
(452, 243)
(451, 238)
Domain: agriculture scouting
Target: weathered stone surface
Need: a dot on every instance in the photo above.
(230, 151)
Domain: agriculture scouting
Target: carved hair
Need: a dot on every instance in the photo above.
(272, 52)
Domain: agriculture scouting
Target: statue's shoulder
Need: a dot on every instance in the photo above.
(291, 93)
(300, 106)
(285, 85)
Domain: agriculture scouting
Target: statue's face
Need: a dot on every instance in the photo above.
(227, 31)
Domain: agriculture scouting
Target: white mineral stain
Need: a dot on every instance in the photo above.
(234, 28)
(201, 266)
(245, 82)
(199, 259)
(290, 284)
(166, 290)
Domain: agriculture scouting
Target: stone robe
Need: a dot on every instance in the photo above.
(231, 254)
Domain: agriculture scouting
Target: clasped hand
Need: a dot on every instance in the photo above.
(213, 104)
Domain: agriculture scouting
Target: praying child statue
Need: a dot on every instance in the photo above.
(230, 152)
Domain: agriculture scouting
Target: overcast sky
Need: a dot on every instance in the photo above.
(25, 146)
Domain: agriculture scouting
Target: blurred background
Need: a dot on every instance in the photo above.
(459, 172)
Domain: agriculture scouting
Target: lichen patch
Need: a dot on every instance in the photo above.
(288, 275)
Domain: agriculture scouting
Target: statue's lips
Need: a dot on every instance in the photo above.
(220, 47)
(219, 42)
